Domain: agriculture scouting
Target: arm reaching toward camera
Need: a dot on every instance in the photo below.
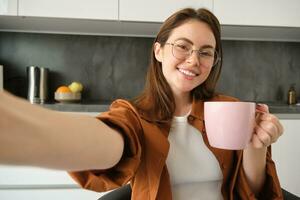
(32, 135)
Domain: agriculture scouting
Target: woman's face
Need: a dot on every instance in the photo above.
(184, 74)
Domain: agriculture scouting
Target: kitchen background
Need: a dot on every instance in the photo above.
(113, 67)
(34, 32)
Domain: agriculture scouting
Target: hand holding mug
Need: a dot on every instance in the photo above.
(267, 128)
(238, 125)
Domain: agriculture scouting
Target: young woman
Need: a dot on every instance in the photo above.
(157, 142)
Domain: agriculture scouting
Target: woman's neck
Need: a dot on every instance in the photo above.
(183, 104)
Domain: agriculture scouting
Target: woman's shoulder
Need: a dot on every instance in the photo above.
(142, 111)
(121, 113)
(122, 105)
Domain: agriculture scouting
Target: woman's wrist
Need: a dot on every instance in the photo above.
(254, 164)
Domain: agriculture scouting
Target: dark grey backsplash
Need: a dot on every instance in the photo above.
(115, 67)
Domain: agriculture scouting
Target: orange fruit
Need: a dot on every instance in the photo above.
(63, 89)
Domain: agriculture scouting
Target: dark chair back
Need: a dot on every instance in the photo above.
(124, 193)
(289, 196)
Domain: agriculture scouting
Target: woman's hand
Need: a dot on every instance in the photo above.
(267, 128)
(266, 131)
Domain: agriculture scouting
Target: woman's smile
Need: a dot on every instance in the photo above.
(187, 74)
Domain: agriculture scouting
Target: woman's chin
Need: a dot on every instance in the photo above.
(186, 89)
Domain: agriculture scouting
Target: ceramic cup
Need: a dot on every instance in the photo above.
(229, 125)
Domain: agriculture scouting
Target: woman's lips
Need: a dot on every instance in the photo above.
(188, 74)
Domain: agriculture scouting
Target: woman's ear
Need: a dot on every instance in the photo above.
(158, 51)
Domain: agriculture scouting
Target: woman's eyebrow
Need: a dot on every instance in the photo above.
(185, 39)
(189, 41)
(207, 46)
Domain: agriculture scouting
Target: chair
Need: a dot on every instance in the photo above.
(124, 193)
(289, 196)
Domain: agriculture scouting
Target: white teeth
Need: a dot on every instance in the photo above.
(186, 72)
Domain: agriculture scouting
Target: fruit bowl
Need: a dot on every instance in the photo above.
(67, 97)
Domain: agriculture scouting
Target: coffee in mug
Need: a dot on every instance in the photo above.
(229, 125)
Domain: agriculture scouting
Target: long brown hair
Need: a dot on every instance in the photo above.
(157, 94)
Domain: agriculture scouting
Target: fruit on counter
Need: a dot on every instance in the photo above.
(76, 87)
(63, 89)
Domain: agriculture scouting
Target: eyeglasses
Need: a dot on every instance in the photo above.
(182, 50)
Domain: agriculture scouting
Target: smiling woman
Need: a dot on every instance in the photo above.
(181, 76)
(157, 142)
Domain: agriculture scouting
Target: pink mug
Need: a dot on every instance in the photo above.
(229, 125)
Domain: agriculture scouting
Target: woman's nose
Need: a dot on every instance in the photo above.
(194, 58)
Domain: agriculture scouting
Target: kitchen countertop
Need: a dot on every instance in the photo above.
(279, 109)
(78, 107)
(283, 108)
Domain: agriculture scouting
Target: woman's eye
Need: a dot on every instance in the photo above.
(206, 53)
(183, 47)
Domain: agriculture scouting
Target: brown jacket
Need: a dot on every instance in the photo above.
(144, 159)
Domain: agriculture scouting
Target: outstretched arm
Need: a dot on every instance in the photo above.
(32, 135)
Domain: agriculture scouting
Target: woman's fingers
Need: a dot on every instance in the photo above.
(256, 142)
(267, 133)
(274, 120)
(267, 130)
(263, 108)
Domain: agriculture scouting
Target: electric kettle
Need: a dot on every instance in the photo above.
(37, 78)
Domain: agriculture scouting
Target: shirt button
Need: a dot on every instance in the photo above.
(223, 166)
(191, 118)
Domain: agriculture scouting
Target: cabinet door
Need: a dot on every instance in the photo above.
(49, 194)
(11, 176)
(8, 7)
(156, 10)
(89, 9)
(285, 153)
(258, 13)
(32, 183)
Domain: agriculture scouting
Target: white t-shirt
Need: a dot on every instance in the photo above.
(194, 170)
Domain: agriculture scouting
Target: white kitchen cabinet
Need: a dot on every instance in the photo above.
(32, 183)
(285, 153)
(49, 194)
(280, 13)
(89, 9)
(8, 7)
(156, 10)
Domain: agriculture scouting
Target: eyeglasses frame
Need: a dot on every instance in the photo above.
(218, 58)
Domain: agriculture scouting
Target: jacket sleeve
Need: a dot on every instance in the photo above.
(121, 117)
(271, 189)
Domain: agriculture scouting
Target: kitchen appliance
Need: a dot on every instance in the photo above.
(1, 77)
(37, 84)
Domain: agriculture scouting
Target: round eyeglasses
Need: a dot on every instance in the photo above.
(182, 50)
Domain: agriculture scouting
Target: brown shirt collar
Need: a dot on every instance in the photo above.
(197, 108)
